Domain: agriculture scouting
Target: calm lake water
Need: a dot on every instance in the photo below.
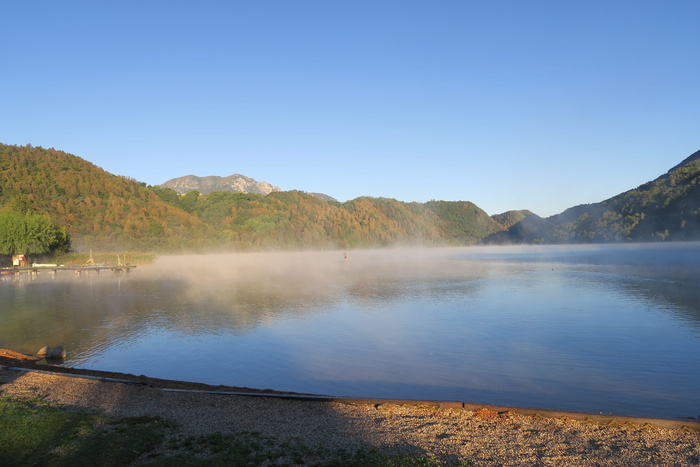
(601, 329)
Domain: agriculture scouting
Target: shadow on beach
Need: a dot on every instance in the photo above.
(200, 410)
(439, 435)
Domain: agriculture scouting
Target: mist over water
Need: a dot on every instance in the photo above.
(607, 328)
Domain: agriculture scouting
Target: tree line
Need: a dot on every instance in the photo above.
(105, 212)
(69, 202)
(667, 208)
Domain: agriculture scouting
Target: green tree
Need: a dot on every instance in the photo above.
(30, 233)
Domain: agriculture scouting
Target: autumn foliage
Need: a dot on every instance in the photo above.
(106, 212)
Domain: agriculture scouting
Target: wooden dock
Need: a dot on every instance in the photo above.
(53, 270)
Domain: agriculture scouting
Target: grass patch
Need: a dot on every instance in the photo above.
(81, 259)
(36, 433)
(33, 432)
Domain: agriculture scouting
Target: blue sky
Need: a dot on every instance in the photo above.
(538, 105)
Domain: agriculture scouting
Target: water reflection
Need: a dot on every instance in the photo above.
(602, 329)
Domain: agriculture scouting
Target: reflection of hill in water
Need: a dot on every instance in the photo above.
(678, 294)
(235, 294)
(668, 274)
(520, 325)
(94, 314)
(216, 294)
(60, 311)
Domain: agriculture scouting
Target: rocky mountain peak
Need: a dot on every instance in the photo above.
(205, 185)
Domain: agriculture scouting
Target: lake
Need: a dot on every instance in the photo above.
(598, 328)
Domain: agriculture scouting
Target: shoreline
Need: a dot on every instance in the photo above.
(478, 435)
(11, 360)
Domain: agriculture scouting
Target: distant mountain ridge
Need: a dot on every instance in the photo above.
(667, 208)
(510, 218)
(106, 212)
(205, 185)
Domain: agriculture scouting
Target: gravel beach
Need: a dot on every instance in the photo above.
(482, 437)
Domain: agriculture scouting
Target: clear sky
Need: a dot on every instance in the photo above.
(538, 105)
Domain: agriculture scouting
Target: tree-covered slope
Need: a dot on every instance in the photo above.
(510, 218)
(463, 219)
(294, 219)
(108, 212)
(97, 208)
(667, 208)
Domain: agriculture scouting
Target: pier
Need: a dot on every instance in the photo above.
(53, 269)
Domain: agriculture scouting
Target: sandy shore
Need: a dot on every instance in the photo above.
(482, 437)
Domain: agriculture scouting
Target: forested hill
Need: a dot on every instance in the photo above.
(667, 208)
(97, 208)
(111, 213)
(510, 218)
(106, 212)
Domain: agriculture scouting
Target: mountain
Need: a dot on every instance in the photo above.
(205, 185)
(235, 183)
(105, 212)
(295, 219)
(463, 219)
(667, 208)
(323, 197)
(510, 218)
(100, 210)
